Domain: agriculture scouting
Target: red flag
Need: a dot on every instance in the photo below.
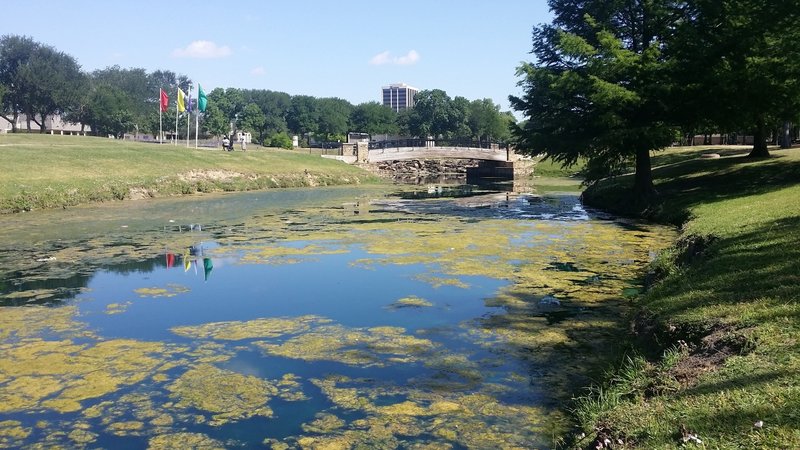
(164, 101)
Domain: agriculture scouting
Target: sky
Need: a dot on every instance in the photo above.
(346, 48)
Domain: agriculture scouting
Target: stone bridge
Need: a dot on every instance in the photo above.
(421, 149)
(498, 160)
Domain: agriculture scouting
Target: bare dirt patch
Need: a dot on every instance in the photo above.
(139, 193)
(213, 175)
(711, 353)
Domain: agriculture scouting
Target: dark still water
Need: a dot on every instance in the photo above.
(326, 318)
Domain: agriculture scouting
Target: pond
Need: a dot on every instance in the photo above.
(446, 317)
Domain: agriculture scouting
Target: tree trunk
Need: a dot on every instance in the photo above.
(41, 124)
(759, 143)
(786, 135)
(643, 187)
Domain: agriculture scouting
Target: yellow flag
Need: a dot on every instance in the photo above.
(181, 103)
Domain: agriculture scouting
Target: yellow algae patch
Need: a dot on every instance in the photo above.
(12, 433)
(410, 302)
(30, 321)
(171, 290)
(348, 398)
(324, 423)
(438, 282)
(60, 374)
(477, 420)
(258, 328)
(117, 308)
(206, 352)
(453, 372)
(274, 444)
(290, 389)
(288, 255)
(350, 440)
(406, 408)
(227, 395)
(350, 346)
(182, 441)
(82, 437)
(128, 428)
(32, 295)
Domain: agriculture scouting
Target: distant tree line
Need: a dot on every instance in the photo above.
(613, 81)
(38, 81)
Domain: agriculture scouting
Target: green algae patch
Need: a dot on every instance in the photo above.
(181, 441)
(477, 420)
(117, 308)
(288, 255)
(438, 282)
(12, 433)
(33, 321)
(252, 329)
(323, 423)
(82, 437)
(59, 375)
(227, 395)
(127, 428)
(410, 302)
(354, 346)
(171, 290)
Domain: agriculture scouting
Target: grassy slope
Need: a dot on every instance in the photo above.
(730, 290)
(43, 171)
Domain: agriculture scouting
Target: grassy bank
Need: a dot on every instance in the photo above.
(716, 359)
(43, 171)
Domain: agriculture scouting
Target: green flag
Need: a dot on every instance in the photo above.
(202, 101)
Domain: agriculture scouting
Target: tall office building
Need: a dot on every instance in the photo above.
(399, 96)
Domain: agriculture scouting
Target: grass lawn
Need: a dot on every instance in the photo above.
(44, 171)
(716, 359)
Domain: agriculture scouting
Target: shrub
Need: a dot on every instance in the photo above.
(281, 140)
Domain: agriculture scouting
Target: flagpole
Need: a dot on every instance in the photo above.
(175, 138)
(160, 126)
(188, 118)
(197, 117)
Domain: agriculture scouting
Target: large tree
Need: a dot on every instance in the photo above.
(303, 115)
(15, 53)
(214, 121)
(252, 120)
(374, 118)
(598, 89)
(740, 64)
(275, 106)
(334, 118)
(110, 111)
(50, 81)
(486, 122)
(433, 114)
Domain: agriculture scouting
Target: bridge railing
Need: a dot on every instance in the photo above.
(428, 143)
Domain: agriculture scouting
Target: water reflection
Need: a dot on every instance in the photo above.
(357, 319)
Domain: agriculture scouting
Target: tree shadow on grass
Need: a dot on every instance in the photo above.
(686, 184)
(760, 267)
(669, 158)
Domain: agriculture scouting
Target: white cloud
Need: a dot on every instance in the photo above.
(258, 71)
(202, 49)
(386, 58)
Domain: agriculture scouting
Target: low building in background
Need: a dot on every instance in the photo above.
(53, 125)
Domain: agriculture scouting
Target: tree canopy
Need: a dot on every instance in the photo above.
(613, 81)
